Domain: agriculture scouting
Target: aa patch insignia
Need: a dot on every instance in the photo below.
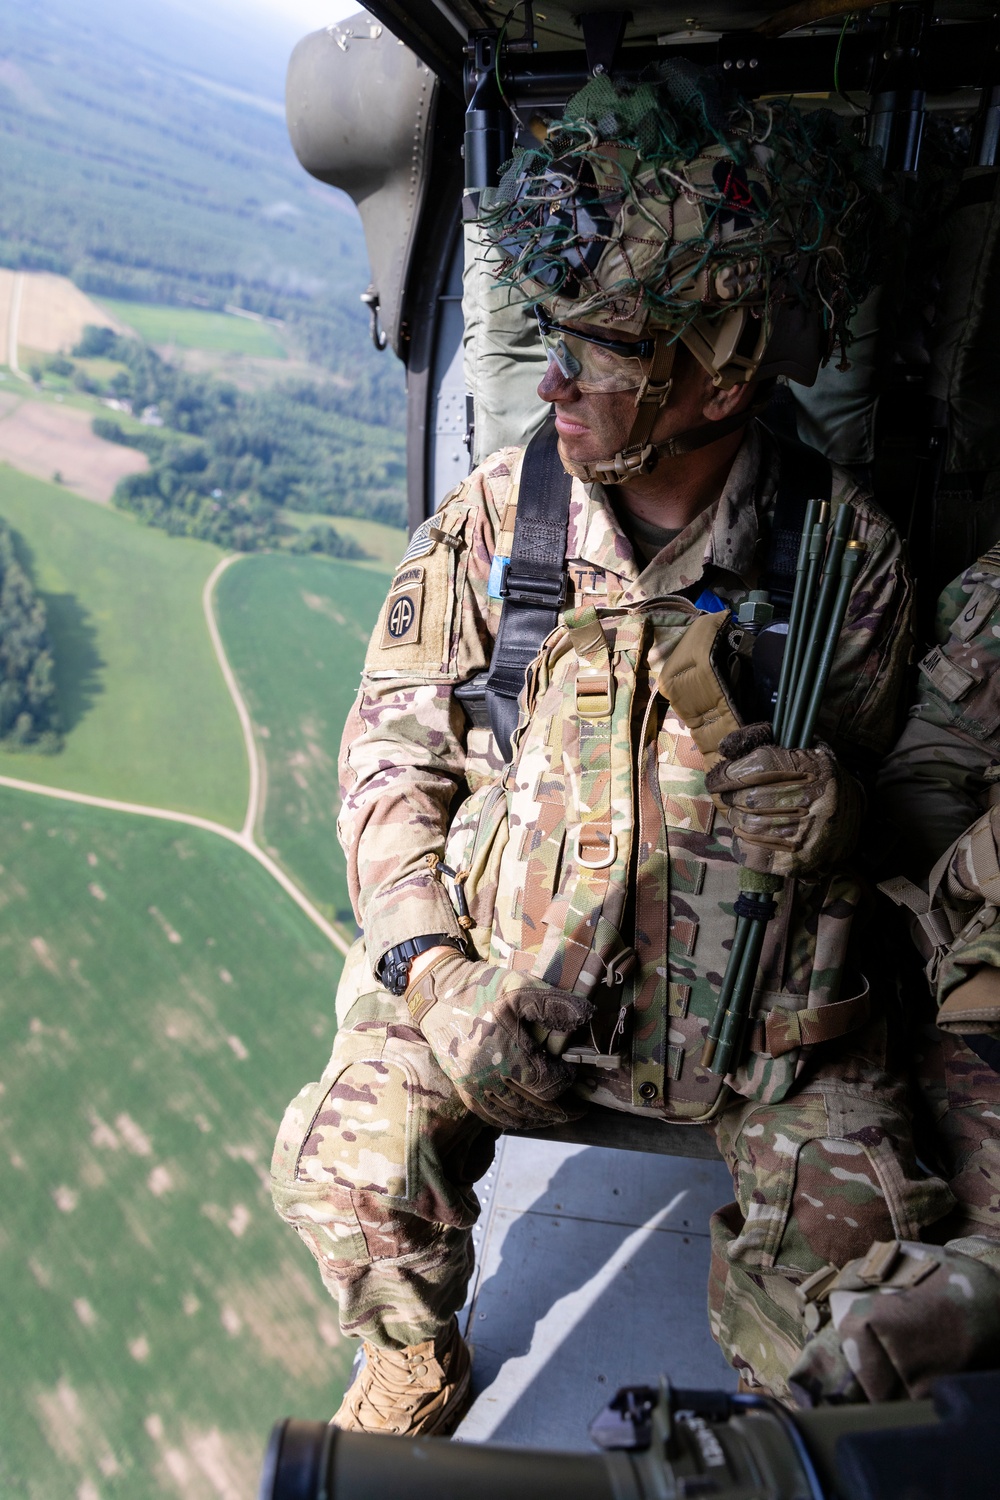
(403, 609)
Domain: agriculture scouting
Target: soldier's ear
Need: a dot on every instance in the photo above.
(720, 403)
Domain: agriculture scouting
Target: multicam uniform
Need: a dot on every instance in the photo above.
(942, 777)
(375, 1164)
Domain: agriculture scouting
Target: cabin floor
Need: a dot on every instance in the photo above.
(592, 1273)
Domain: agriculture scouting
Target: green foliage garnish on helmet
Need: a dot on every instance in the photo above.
(749, 230)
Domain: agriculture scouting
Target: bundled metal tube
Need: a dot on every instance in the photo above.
(828, 564)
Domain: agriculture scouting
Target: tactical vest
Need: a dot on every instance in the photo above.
(599, 864)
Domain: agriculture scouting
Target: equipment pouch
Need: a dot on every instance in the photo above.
(474, 850)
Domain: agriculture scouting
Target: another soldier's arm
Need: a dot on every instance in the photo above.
(937, 779)
(934, 787)
(403, 757)
(861, 709)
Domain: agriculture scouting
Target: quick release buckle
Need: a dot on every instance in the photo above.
(537, 591)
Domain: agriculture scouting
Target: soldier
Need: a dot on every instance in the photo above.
(682, 251)
(939, 787)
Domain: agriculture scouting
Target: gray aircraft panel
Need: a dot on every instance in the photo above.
(592, 1273)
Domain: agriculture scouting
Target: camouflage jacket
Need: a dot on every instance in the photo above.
(944, 773)
(409, 762)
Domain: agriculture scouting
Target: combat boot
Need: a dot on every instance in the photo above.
(420, 1390)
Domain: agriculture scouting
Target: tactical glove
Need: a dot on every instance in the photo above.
(478, 1019)
(795, 813)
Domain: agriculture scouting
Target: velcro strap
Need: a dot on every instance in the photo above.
(905, 893)
(781, 1030)
(936, 926)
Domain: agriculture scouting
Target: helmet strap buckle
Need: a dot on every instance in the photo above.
(654, 393)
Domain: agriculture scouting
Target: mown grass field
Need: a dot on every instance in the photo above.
(146, 710)
(162, 1002)
(384, 545)
(194, 328)
(295, 630)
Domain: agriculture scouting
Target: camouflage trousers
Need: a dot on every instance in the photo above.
(375, 1167)
(962, 1095)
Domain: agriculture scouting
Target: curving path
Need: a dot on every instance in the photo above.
(245, 837)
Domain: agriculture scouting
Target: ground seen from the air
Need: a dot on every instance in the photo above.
(165, 995)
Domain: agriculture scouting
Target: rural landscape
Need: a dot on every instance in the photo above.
(201, 501)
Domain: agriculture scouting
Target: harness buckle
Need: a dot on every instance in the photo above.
(536, 590)
(595, 695)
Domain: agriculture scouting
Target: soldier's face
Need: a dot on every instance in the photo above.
(594, 425)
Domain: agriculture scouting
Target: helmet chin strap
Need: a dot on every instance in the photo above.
(640, 455)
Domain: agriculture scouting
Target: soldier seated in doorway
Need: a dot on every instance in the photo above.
(682, 249)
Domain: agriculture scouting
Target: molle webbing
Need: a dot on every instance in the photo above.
(536, 583)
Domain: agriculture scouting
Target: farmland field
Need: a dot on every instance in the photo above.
(46, 438)
(384, 545)
(295, 630)
(192, 328)
(146, 711)
(164, 1001)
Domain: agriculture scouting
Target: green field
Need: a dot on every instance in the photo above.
(163, 1000)
(143, 701)
(295, 630)
(192, 328)
(384, 545)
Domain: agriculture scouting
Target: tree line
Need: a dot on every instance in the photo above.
(28, 714)
(225, 461)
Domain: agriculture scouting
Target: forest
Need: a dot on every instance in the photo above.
(28, 714)
(141, 179)
(225, 461)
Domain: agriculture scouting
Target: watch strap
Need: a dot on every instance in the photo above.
(393, 968)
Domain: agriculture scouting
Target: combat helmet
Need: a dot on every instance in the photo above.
(674, 211)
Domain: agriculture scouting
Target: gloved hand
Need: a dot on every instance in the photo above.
(794, 812)
(477, 1019)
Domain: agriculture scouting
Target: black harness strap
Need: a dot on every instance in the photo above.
(536, 584)
(803, 475)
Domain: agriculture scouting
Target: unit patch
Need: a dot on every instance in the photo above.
(402, 615)
(406, 577)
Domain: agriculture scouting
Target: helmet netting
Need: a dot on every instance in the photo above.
(667, 201)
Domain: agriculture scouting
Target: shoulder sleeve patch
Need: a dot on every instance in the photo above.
(403, 610)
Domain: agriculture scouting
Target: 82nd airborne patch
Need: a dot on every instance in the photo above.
(403, 609)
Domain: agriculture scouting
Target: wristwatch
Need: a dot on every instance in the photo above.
(393, 968)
